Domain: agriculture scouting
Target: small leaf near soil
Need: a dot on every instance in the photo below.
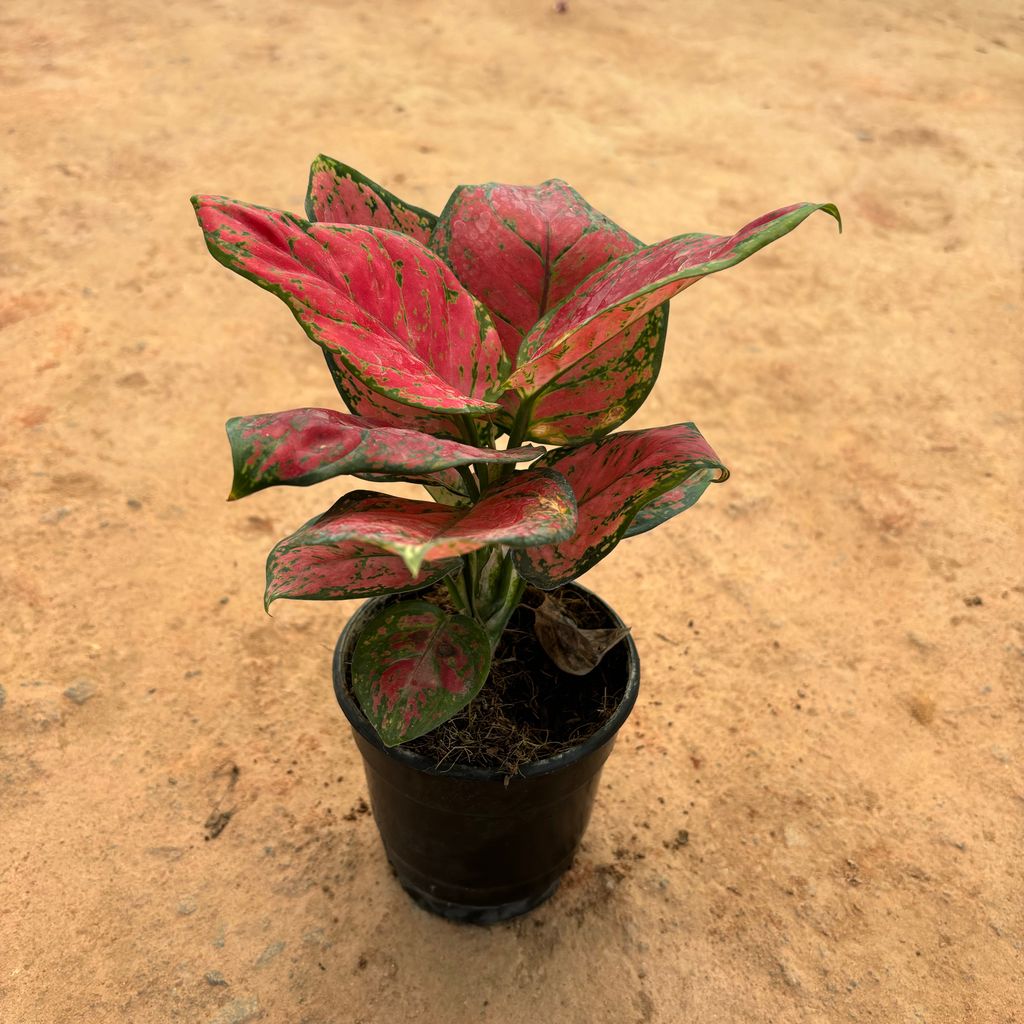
(574, 650)
(415, 666)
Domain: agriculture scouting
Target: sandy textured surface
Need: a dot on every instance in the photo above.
(833, 641)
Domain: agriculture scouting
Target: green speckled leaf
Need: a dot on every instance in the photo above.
(521, 249)
(530, 508)
(614, 479)
(415, 666)
(339, 194)
(305, 446)
(390, 315)
(629, 288)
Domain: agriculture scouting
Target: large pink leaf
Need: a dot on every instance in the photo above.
(415, 666)
(631, 287)
(530, 508)
(305, 446)
(339, 194)
(674, 501)
(603, 389)
(388, 312)
(522, 249)
(614, 479)
(333, 571)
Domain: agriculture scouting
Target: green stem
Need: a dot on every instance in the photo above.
(522, 423)
(471, 485)
(456, 591)
(469, 582)
(510, 592)
(520, 428)
(467, 427)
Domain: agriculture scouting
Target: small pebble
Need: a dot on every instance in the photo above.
(54, 517)
(268, 954)
(238, 1011)
(171, 853)
(186, 907)
(789, 976)
(793, 837)
(134, 503)
(215, 978)
(80, 691)
(3, 696)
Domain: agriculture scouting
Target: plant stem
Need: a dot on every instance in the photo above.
(509, 592)
(456, 591)
(522, 423)
(467, 428)
(515, 438)
(471, 485)
(469, 582)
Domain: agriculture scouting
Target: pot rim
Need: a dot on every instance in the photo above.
(544, 766)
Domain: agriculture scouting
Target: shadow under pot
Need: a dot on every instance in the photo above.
(476, 844)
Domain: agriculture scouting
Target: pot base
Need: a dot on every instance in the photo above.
(469, 914)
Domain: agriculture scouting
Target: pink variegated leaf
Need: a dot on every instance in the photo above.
(672, 502)
(445, 486)
(603, 389)
(530, 508)
(631, 287)
(336, 571)
(339, 194)
(304, 446)
(364, 401)
(614, 479)
(386, 310)
(521, 249)
(360, 525)
(415, 666)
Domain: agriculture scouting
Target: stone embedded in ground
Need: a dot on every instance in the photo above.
(167, 852)
(187, 906)
(215, 978)
(238, 1011)
(793, 837)
(268, 954)
(80, 691)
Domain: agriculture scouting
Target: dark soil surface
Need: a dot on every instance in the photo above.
(529, 709)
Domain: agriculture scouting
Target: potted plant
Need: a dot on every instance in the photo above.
(483, 686)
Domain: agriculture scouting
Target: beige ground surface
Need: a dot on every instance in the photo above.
(839, 730)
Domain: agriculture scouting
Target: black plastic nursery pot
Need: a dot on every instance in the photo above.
(472, 844)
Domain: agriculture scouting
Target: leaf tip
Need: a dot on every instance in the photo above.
(833, 211)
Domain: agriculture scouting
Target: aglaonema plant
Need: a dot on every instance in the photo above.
(519, 313)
